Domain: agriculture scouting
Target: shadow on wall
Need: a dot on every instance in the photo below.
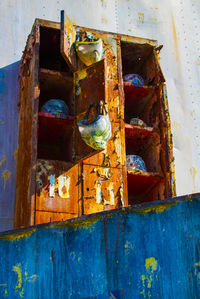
(8, 142)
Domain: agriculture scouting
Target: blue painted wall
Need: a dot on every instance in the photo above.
(8, 142)
(146, 251)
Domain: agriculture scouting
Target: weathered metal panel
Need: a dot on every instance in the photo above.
(144, 251)
(102, 188)
(57, 187)
(8, 142)
(67, 38)
(27, 141)
(175, 24)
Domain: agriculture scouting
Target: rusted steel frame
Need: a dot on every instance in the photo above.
(80, 190)
(25, 199)
(138, 40)
(67, 38)
(48, 24)
(165, 129)
(166, 142)
(169, 142)
(35, 121)
(122, 104)
(123, 37)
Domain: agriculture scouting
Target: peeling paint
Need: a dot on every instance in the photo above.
(63, 186)
(103, 172)
(52, 185)
(121, 193)
(111, 192)
(18, 287)
(6, 175)
(2, 161)
(141, 17)
(43, 168)
(151, 266)
(98, 192)
(82, 74)
(118, 150)
(16, 154)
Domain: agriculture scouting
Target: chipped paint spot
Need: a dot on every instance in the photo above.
(117, 143)
(16, 154)
(153, 19)
(192, 113)
(6, 175)
(128, 246)
(197, 264)
(154, 8)
(103, 172)
(2, 122)
(51, 185)
(193, 172)
(104, 20)
(4, 160)
(78, 89)
(116, 104)
(63, 186)
(18, 287)
(32, 278)
(121, 193)
(98, 192)
(44, 167)
(151, 266)
(82, 74)
(141, 17)
(112, 194)
(4, 285)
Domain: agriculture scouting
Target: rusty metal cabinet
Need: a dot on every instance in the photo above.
(58, 175)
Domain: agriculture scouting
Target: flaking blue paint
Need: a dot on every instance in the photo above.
(111, 252)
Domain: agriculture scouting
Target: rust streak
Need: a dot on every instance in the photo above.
(105, 234)
(52, 255)
(175, 39)
(117, 235)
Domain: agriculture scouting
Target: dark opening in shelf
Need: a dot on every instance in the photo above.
(139, 59)
(54, 138)
(50, 56)
(141, 102)
(56, 85)
(137, 136)
(143, 186)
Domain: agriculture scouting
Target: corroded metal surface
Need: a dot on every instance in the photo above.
(66, 44)
(57, 187)
(143, 251)
(98, 180)
(102, 188)
(27, 141)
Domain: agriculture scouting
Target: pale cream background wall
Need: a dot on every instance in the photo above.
(174, 23)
